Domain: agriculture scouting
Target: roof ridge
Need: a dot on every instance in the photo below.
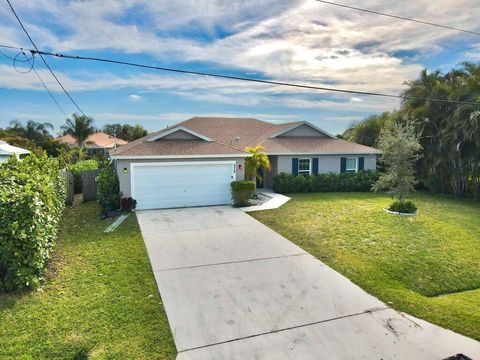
(230, 146)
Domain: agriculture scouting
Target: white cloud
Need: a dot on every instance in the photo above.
(135, 97)
(299, 41)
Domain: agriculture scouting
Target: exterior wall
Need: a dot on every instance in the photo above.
(124, 178)
(303, 131)
(326, 163)
(4, 158)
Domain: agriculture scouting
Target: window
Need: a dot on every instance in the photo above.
(351, 165)
(304, 166)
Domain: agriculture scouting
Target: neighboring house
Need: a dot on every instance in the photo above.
(193, 162)
(7, 151)
(97, 143)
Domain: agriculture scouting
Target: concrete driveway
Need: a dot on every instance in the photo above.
(234, 289)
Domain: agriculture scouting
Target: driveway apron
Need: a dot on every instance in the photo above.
(234, 289)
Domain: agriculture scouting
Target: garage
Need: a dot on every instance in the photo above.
(181, 184)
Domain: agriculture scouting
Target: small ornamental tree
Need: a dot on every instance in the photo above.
(258, 160)
(400, 150)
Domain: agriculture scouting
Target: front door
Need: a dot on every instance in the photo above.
(260, 182)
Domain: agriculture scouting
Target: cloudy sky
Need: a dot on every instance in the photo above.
(300, 41)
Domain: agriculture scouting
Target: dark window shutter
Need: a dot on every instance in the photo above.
(295, 166)
(361, 163)
(315, 165)
(343, 164)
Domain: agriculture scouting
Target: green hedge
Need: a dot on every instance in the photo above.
(331, 182)
(77, 169)
(242, 192)
(108, 189)
(32, 198)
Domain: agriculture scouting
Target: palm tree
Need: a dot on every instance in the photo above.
(258, 160)
(35, 131)
(80, 128)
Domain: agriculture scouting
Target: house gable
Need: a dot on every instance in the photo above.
(179, 133)
(303, 129)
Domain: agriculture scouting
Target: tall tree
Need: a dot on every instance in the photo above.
(368, 131)
(449, 134)
(449, 131)
(125, 131)
(32, 130)
(80, 128)
(32, 135)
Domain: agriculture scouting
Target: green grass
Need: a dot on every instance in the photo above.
(428, 265)
(99, 301)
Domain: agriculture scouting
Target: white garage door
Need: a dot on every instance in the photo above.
(171, 185)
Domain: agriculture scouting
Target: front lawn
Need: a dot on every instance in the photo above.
(100, 300)
(427, 266)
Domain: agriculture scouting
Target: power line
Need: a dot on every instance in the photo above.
(12, 47)
(399, 17)
(247, 79)
(255, 80)
(12, 58)
(43, 59)
(31, 62)
(46, 88)
(49, 92)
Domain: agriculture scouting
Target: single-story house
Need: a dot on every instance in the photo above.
(97, 143)
(193, 162)
(7, 151)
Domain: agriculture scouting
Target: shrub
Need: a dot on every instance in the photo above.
(242, 192)
(332, 182)
(283, 183)
(78, 168)
(403, 207)
(32, 198)
(128, 204)
(108, 189)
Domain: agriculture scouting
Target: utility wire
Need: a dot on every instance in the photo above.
(247, 79)
(45, 86)
(12, 58)
(31, 62)
(11, 47)
(399, 17)
(43, 59)
(255, 80)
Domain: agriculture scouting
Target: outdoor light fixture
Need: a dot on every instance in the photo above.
(239, 166)
(124, 170)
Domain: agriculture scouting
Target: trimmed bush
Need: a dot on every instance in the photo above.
(361, 181)
(77, 169)
(403, 207)
(108, 189)
(242, 192)
(32, 198)
(128, 204)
